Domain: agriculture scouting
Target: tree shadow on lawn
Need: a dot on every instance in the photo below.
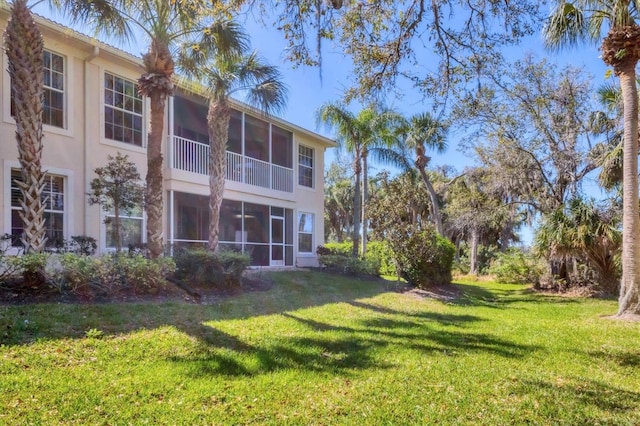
(473, 295)
(579, 401)
(340, 348)
(619, 357)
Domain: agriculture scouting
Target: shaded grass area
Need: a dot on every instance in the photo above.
(323, 349)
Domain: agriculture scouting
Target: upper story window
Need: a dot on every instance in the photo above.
(122, 110)
(305, 166)
(53, 111)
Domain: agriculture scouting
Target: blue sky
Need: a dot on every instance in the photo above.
(307, 91)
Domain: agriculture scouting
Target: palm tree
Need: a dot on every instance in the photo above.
(585, 20)
(25, 50)
(358, 134)
(165, 23)
(224, 75)
(423, 131)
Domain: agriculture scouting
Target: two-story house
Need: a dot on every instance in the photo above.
(273, 200)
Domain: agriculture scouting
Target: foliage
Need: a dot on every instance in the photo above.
(338, 202)
(387, 40)
(424, 257)
(202, 267)
(79, 244)
(378, 260)
(347, 264)
(32, 266)
(381, 251)
(588, 233)
(109, 274)
(516, 266)
(117, 189)
(537, 157)
(9, 269)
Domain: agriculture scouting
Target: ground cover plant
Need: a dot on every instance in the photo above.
(324, 349)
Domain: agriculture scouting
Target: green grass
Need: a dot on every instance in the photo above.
(321, 349)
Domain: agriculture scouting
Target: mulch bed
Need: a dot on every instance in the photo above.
(15, 293)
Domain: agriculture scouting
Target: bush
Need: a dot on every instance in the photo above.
(32, 266)
(204, 267)
(381, 252)
(348, 264)
(514, 266)
(110, 274)
(424, 257)
(344, 249)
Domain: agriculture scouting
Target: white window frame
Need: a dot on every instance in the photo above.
(52, 72)
(133, 215)
(142, 114)
(68, 119)
(68, 211)
(303, 232)
(304, 166)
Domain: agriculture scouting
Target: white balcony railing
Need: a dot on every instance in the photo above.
(193, 157)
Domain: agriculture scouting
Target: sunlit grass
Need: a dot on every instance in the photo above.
(323, 349)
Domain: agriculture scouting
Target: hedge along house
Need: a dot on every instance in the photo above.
(274, 194)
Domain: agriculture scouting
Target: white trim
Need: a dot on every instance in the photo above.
(312, 233)
(145, 116)
(69, 183)
(69, 105)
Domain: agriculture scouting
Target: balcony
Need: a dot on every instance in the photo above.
(192, 156)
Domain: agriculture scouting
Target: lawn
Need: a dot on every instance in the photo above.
(323, 349)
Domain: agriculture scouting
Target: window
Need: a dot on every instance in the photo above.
(122, 110)
(305, 166)
(54, 96)
(305, 232)
(131, 225)
(53, 199)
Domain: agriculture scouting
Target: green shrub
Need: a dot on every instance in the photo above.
(204, 267)
(424, 257)
(345, 248)
(32, 267)
(348, 264)
(144, 275)
(381, 252)
(109, 274)
(514, 266)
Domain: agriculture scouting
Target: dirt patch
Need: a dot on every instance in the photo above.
(444, 293)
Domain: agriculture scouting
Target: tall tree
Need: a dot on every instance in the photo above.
(224, 74)
(420, 132)
(586, 21)
(357, 134)
(165, 23)
(25, 49)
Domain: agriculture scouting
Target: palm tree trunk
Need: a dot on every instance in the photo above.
(356, 204)
(473, 267)
(218, 119)
(435, 208)
(157, 85)
(365, 197)
(24, 48)
(154, 179)
(629, 301)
